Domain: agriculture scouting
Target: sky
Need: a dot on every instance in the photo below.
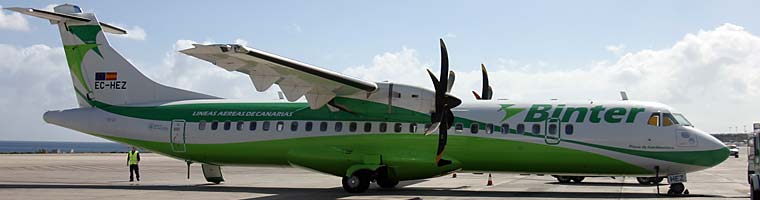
(700, 57)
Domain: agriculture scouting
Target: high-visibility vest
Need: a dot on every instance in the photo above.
(133, 157)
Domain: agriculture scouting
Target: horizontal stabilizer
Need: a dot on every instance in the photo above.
(56, 17)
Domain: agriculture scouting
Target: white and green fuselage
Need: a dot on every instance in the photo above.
(383, 128)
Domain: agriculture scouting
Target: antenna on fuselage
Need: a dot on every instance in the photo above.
(624, 95)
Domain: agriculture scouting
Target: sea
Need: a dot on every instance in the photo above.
(61, 147)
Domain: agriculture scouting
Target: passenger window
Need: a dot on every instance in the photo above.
(338, 126)
(458, 127)
(383, 127)
(280, 126)
(252, 126)
(323, 126)
(654, 119)
(552, 129)
(504, 128)
(569, 129)
(239, 126)
(412, 128)
(352, 127)
(397, 127)
(227, 125)
(474, 128)
(367, 127)
(202, 125)
(536, 129)
(520, 129)
(214, 125)
(265, 126)
(308, 126)
(293, 126)
(489, 128)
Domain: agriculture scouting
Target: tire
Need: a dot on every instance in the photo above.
(676, 189)
(577, 179)
(657, 181)
(356, 183)
(736, 156)
(644, 180)
(385, 183)
(563, 179)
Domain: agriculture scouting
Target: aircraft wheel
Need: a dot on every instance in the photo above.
(646, 180)
(577, 179)
(563, 179)
(386, 183)
(657, 181)
(357, 183)
(676, 189)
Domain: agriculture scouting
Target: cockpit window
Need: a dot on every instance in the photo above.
(668, 120)
(681, 119)
(654, 119)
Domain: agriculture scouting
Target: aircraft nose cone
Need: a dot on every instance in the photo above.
(715, 152)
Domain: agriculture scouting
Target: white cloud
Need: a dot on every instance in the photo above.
(133, 33)
(708, 75)
(33, 80)
(186, 72)
(241, 42)
(14, 21)
(615, 49)
(50, 7)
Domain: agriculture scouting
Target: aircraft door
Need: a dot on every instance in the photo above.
(553, 132)
(177, 135)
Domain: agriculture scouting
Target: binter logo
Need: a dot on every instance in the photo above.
(596, 114)
(109, 80)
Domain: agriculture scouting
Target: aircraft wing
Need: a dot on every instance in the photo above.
(296, 79)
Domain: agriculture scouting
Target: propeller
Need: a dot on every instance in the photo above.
(442, 117)
(487, 91)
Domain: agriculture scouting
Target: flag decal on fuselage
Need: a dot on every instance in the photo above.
(106, 76)
(109, 80)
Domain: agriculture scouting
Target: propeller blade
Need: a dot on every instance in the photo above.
(433, 128)
(452, 76)
(477, 96)
(442, 138)
(443, 82)
(487, 92)
(433, 78)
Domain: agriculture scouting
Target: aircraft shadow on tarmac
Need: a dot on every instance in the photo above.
(337, 192)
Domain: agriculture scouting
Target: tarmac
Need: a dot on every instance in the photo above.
(105, 176)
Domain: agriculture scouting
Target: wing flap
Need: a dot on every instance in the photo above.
(296, 79)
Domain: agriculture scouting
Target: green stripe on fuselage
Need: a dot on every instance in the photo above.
(475, 153)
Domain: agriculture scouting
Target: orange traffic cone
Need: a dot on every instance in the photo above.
(454, 175)
(490, 181)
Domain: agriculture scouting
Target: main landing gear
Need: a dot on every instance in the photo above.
(650, 180)
(568, 179)
(360, 180)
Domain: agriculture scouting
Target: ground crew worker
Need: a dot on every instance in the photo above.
(133, 157)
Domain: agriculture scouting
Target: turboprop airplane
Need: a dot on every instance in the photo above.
(364, 131)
